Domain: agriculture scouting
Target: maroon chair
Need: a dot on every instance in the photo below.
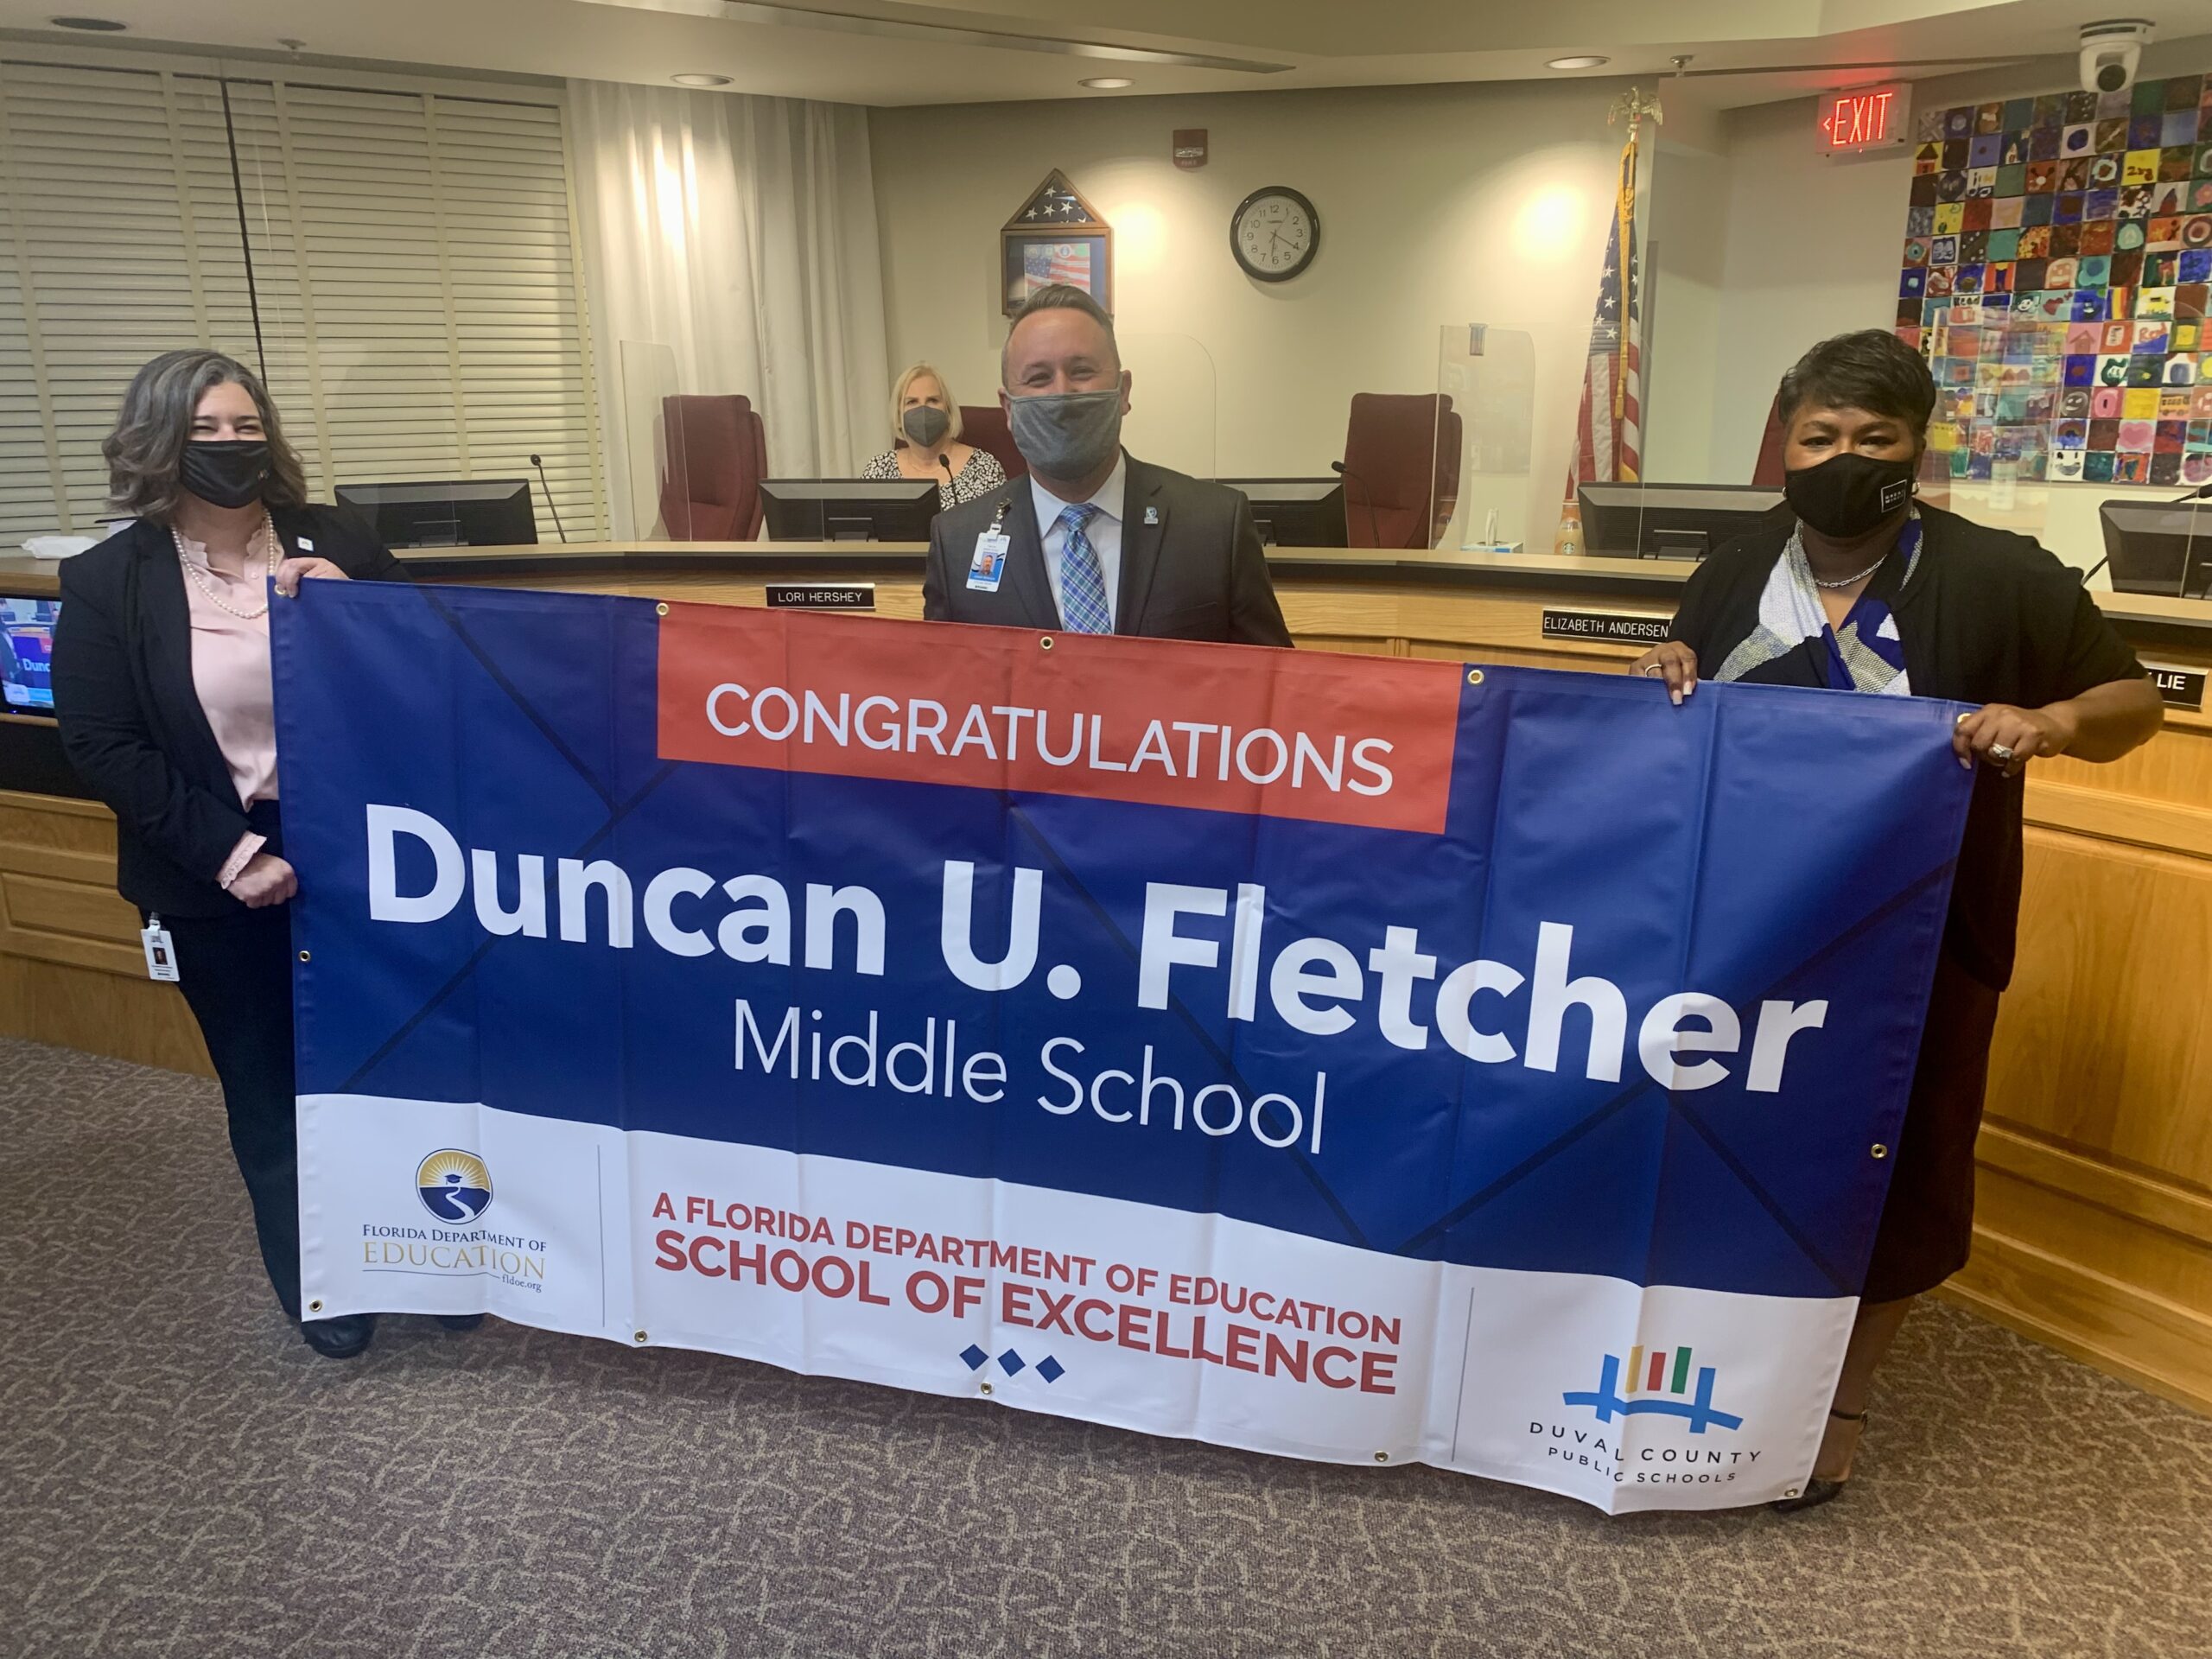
(982, 426)
(717, 455)
(1401, 468)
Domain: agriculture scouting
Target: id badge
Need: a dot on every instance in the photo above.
(161, 955)
(989, 563)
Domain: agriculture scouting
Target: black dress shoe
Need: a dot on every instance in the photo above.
(460, 1321)
(341, 1338)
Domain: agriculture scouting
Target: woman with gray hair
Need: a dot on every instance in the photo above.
(161, 687)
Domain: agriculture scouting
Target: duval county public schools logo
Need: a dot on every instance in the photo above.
(454, 1186)
(1662, 1385)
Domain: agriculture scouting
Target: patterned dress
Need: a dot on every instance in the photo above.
(980, 476)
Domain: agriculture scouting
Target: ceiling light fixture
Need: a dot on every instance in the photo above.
(90, 25)
(702, 79)
(1106, 83)
(1586, 60)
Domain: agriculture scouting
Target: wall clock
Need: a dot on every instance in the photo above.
(1274, 233)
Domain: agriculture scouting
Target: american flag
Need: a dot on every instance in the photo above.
(1608, 442)
(1044, 263)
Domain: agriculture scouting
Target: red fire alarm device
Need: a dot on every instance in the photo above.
(1863, 118)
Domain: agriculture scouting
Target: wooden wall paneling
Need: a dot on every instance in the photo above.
(2104, 1042)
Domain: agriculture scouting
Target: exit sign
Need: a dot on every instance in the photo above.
(1866, 118)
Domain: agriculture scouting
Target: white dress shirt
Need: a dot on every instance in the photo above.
(1103, 532)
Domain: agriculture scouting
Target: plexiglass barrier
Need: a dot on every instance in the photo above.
(1485, 412)
(652, 441)
(1172, 401)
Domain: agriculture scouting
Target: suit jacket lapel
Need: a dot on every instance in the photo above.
(1144, 525)
(165, 628)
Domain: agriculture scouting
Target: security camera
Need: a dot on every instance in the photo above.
(2110, 52)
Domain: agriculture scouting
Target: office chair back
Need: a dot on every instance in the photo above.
(984, 426)
(1401, 469)
(717, 455)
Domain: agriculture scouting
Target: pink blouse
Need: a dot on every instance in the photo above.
(230, 670)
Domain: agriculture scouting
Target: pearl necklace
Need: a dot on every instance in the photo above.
(267, 533)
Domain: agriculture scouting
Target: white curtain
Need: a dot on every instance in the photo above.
(739, 233)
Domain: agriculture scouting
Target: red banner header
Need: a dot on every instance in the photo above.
(1321, 736)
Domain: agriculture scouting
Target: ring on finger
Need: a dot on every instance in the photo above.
(1649, 669)
(2001, 754)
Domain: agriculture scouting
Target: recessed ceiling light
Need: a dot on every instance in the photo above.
(702, 80)
(1587, 61)
(90, 25)
(1106, 83)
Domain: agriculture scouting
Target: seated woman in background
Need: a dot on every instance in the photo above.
(927, 422)
(161, 687)
(1865, 590)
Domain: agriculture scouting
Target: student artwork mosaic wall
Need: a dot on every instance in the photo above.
(2057, 262)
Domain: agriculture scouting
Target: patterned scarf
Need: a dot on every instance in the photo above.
(1865, 654)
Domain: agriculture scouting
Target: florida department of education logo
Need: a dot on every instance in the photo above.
(1660, 1385)
(455, 1186)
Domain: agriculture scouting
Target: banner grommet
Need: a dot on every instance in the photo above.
(1044, 644)
(303, 956)
(661, 609)
(1877, 1150)
(1474, 677)
(1381, 1457)
(985, 1387)
(315, 1307)
(639, 1336)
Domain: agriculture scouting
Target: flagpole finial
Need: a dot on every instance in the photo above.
(1633, 106)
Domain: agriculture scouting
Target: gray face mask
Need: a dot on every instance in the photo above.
(924, 425)
(1067, 434)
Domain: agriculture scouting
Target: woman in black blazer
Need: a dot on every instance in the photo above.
(1859, 587)
(161, 687)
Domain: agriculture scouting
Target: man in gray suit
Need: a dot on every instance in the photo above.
(1093, 541)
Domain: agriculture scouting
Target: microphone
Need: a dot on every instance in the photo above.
(1374, 536)
(550, 501)
(2197, 494)
(951, 489)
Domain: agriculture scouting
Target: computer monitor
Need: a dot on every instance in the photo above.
(848, 509)
(465, 512)
(1670, 521)
(1296, 511)
(2158, 547)
(27, 654)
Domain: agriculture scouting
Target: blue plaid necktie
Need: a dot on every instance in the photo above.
(1082, 584)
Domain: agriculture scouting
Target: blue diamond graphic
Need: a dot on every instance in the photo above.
(974, 1355)
(1051, 1370)
(1011, 1362)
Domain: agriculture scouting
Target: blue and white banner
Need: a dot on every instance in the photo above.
(1361, 1059)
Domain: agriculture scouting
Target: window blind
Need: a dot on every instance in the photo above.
(412, 256)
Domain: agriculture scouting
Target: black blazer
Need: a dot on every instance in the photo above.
(1988, 617)
(1191, 564)
(130, 714)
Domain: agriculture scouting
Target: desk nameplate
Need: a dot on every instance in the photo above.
(2180, 688)
(821, 596)
(1615, 627)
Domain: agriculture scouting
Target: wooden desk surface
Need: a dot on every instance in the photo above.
(1597, 578)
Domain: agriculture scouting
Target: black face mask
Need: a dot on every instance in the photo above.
(1847, 495)
(228, 473)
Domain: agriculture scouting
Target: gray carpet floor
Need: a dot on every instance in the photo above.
(180, 1476)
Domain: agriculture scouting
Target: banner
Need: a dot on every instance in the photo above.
(1356, 1058)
